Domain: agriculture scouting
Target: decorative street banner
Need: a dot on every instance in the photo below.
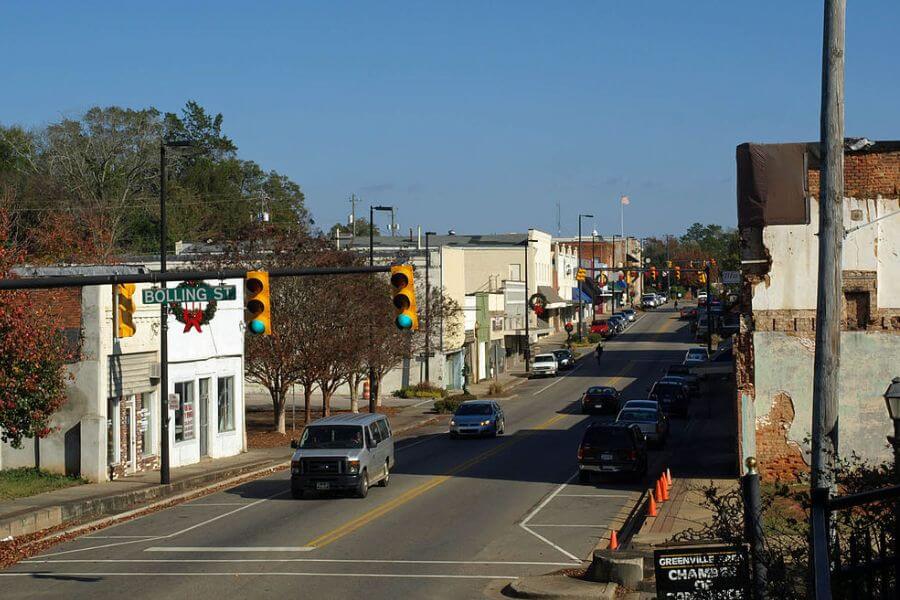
(187, 293)
(707, 573)
(731, 276)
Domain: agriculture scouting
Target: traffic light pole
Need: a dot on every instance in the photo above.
(708, 311)
(163, 331)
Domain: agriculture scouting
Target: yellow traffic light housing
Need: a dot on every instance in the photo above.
(581, 274)
(702, 276)
(677, 273)
(125, 307)
(258, 303)
(404, 297)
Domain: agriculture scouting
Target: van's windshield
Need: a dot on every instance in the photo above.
(332, 436)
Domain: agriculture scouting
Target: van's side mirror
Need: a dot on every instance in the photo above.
(295, 444)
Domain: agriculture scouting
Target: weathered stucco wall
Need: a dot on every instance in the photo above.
(783, 368)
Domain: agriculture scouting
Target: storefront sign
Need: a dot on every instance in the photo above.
(708, 572)
(174, 402)
(183, 293)
(188, 420)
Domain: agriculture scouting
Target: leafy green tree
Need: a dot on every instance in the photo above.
(360, 228)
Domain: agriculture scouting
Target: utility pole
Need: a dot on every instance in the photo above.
(163, 331)
(428, 234)
(708, 272)
(826, 366)
(353, 201)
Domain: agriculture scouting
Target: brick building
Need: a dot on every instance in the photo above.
(778, 188)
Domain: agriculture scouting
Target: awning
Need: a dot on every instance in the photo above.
(592, 288)
(585, 298)
(554, 300)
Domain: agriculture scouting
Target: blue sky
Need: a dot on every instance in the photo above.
(473, 116)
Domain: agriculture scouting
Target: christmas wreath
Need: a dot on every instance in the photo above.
(192, 315)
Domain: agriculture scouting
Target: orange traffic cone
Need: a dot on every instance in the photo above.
(651, 509)
(613, 540)
(665, 492)
(659, 494)
(669, 477)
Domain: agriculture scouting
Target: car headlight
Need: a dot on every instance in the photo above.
(452, 422)
(353, 466)
(483, 423)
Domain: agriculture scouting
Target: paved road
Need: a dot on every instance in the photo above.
(457, 515)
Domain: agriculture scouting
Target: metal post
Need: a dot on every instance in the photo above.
(163, 331)
(753, 527)
(708, 310)
(527, 308)
(613, 274)
(826, 367)
(593, 274)
(668, 268)
(373, 386)
(895, 442)
(580, 287)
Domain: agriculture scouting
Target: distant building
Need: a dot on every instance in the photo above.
(778, 219)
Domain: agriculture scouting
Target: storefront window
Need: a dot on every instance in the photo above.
(226, 403)
(146, 418)
(112, 430)
(184, 416)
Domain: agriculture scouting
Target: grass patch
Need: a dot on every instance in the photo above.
(27, 481)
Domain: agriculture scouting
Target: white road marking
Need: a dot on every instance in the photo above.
(88, 575)
(214, 504)
(229, 549)
(171, 535)
(119, 537)
(524, 523)
(296, 560)
(554, 525)
(558, 379)
(414, 444)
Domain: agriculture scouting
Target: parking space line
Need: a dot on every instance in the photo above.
(90, 574)
(537, 509)
(556, 525)
(595, 496)
(295, 560)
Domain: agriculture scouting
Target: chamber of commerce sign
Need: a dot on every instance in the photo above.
(708, 573)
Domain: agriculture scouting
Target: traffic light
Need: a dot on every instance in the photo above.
(702, 276)
(404, 297)
(125, 310)
(669, 264)
(604, 279)
(581, 274)
(653, 273)
(257, 303)
(677, 273)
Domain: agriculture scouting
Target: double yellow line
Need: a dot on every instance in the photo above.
(366, 518)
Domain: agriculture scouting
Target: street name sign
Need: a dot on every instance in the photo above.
(731, 276)
(708, 572)
(200, 293)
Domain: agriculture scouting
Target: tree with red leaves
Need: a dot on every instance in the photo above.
(33, 356)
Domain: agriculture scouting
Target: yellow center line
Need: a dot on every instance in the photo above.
(366, 518)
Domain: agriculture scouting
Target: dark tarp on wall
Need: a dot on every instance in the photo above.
(771, 183)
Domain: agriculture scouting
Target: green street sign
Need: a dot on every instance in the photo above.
(200, 293)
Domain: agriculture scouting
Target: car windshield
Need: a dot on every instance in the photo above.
(473, 409)
(610, 437)
(638, 404)
(540, 359)
(666, 388)
(637, 416)
(562, 353)
(332, 436)
(677, 370)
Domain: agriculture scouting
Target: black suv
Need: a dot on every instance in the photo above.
(684, 371)
(672, 397)
(612, 448)
(601, 398)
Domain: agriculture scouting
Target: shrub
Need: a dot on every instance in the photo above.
(594, 338)
(451, 403)
(421, 390)
(496, 389)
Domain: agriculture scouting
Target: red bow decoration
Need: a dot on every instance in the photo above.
(192, 318)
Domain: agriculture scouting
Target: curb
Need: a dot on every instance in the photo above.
(35, 520)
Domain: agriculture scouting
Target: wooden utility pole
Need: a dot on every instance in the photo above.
(828, 305)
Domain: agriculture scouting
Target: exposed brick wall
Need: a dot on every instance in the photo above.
(63, 304)
(779, 458)
(866, 175)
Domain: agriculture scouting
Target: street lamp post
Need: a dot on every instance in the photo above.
(373, 383)
(164, 461)
(615, 266)
(528, 241)
(428, 234)
(892, 399)
(580, 283)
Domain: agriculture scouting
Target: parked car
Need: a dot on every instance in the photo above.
(720, 363)
(618, 323)
(565, 358)
(600, 398)
(695, 356)
(648, 404)
(673, 397)
(477, 417)
(679, 380)
(648, 301)
(621, 315)
(684, 372)
(663, 298)
(544, 365)
(343, 452)
(653, 423)
(602, 327)
(612, 448)
(629, 314)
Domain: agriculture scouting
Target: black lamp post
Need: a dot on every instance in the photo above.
(164, 319)
(580, 283)
(528, 242)
(373, 384)
(892, 399)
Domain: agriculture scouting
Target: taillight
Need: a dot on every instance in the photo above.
(580, 452)
(632, 455)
